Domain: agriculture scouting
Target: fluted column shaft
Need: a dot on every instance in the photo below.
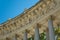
(14, 37)
(25, 36)
(36, 37)
(58, 35)
(47, 35)
(51, 29)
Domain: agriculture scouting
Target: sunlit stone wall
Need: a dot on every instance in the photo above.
(27, 18)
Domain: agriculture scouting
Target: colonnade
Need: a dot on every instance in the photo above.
(50, 35)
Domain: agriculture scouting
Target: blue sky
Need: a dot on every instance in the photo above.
(12, 8)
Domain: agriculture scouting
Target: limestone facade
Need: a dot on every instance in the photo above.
(37, 15)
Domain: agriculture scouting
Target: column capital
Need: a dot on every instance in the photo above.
(16, 35)
(51, 17)
(8, 38)
(27, 31)
(37, 25)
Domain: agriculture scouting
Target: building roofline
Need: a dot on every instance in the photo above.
(22, 13)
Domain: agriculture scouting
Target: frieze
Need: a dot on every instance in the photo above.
(30, 17)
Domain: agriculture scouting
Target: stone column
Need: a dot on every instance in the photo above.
(8, 38)
(51, 29)
(25, 35)
(58, 35)
(15, 37)
(47, 34)
(36, 36)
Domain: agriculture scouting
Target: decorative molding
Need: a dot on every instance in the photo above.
(41, 9)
